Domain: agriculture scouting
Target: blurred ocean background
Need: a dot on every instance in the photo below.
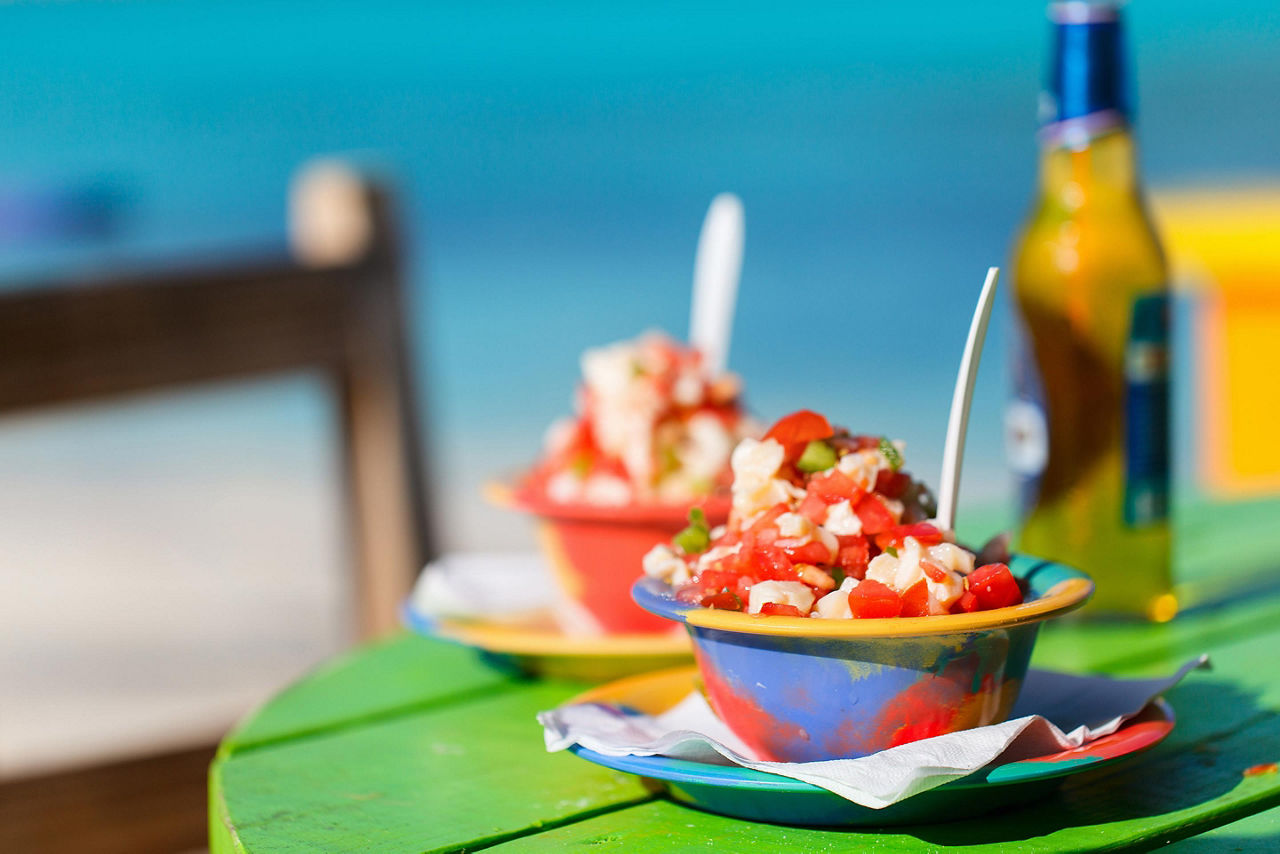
(555, 161)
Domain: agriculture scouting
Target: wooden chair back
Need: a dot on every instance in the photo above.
(63, 342)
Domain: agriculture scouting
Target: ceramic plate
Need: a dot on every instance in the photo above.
(744, 793)
(537, 646)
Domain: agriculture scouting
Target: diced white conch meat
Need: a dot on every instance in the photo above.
(663, 563)
(841, 520)
(780, 593)
(755, 488)
(904, 571)
(835, 605)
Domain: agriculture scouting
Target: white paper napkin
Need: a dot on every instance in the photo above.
(1054, 712)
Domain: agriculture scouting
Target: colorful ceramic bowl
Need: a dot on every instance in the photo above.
(798, 689)
(595, 552)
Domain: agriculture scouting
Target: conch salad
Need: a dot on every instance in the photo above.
(651, 427)
(826, 524)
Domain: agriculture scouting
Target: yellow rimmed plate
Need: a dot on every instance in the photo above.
(541, 648)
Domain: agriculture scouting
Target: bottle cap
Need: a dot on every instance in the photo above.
(1087, 73)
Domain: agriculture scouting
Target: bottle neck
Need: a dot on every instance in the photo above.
(1087, 150)
(1087, 78)
(1090, 169)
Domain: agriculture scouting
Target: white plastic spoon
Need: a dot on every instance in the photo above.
(715, 281)
(958, 423)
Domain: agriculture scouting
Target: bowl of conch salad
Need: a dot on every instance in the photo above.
(831, 616)
(650, 438)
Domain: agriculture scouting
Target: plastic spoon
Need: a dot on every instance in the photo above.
(715, 281)
(958, 423)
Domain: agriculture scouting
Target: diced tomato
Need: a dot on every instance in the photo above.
(874, 515)
(834, 486)
(777, 609)
(915, 602)
(743, 587)
(690, 594)
(892, 484)
(873, 600)
(966, 604)
(812, 552)
(767, 535)
(994, 586)
(727, 564)
(799, 428)
(923, 532)
(853, 555)
(714, 580)
(813, 508)
(933, 572)
(725, 601)
(769, 517)
(771, 564)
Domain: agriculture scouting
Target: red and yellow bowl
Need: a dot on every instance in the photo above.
(596, 552)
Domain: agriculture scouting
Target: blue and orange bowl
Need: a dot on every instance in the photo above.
(799, 689)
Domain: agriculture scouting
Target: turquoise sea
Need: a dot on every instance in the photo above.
(555, 161)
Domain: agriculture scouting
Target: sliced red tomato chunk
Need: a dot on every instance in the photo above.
(772, 564)
(690, 594)
(814, 508)
(875, 517)
(923, 532)
(812, 552)
(915, 602)
(994, 586)
(725, 601)
(798, 429)
(871, 600)
(803, 425)
(715, 580)
(834, 486)
(778, 609)
(854, 554)
(966, 604)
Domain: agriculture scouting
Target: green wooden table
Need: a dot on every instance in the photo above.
(416, 745)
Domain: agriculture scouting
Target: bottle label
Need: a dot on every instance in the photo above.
(1078, 133)
(1146, 410)
(1026, 429)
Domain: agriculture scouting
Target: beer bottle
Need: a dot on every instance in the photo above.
(1088, 426)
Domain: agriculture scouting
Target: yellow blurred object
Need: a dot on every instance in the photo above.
(1224, 245)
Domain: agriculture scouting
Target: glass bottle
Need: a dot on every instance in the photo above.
(1088, 429)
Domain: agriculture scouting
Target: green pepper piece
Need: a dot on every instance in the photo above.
(697, 536)
(817, 456)
(891, 453)
(891, 551)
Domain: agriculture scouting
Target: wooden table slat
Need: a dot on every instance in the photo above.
(456, 775)
(1258, 832)
(400, 675)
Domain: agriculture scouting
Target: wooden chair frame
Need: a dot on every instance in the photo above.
(65, 342)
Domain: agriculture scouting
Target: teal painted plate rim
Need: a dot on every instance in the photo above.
(1137, 734)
